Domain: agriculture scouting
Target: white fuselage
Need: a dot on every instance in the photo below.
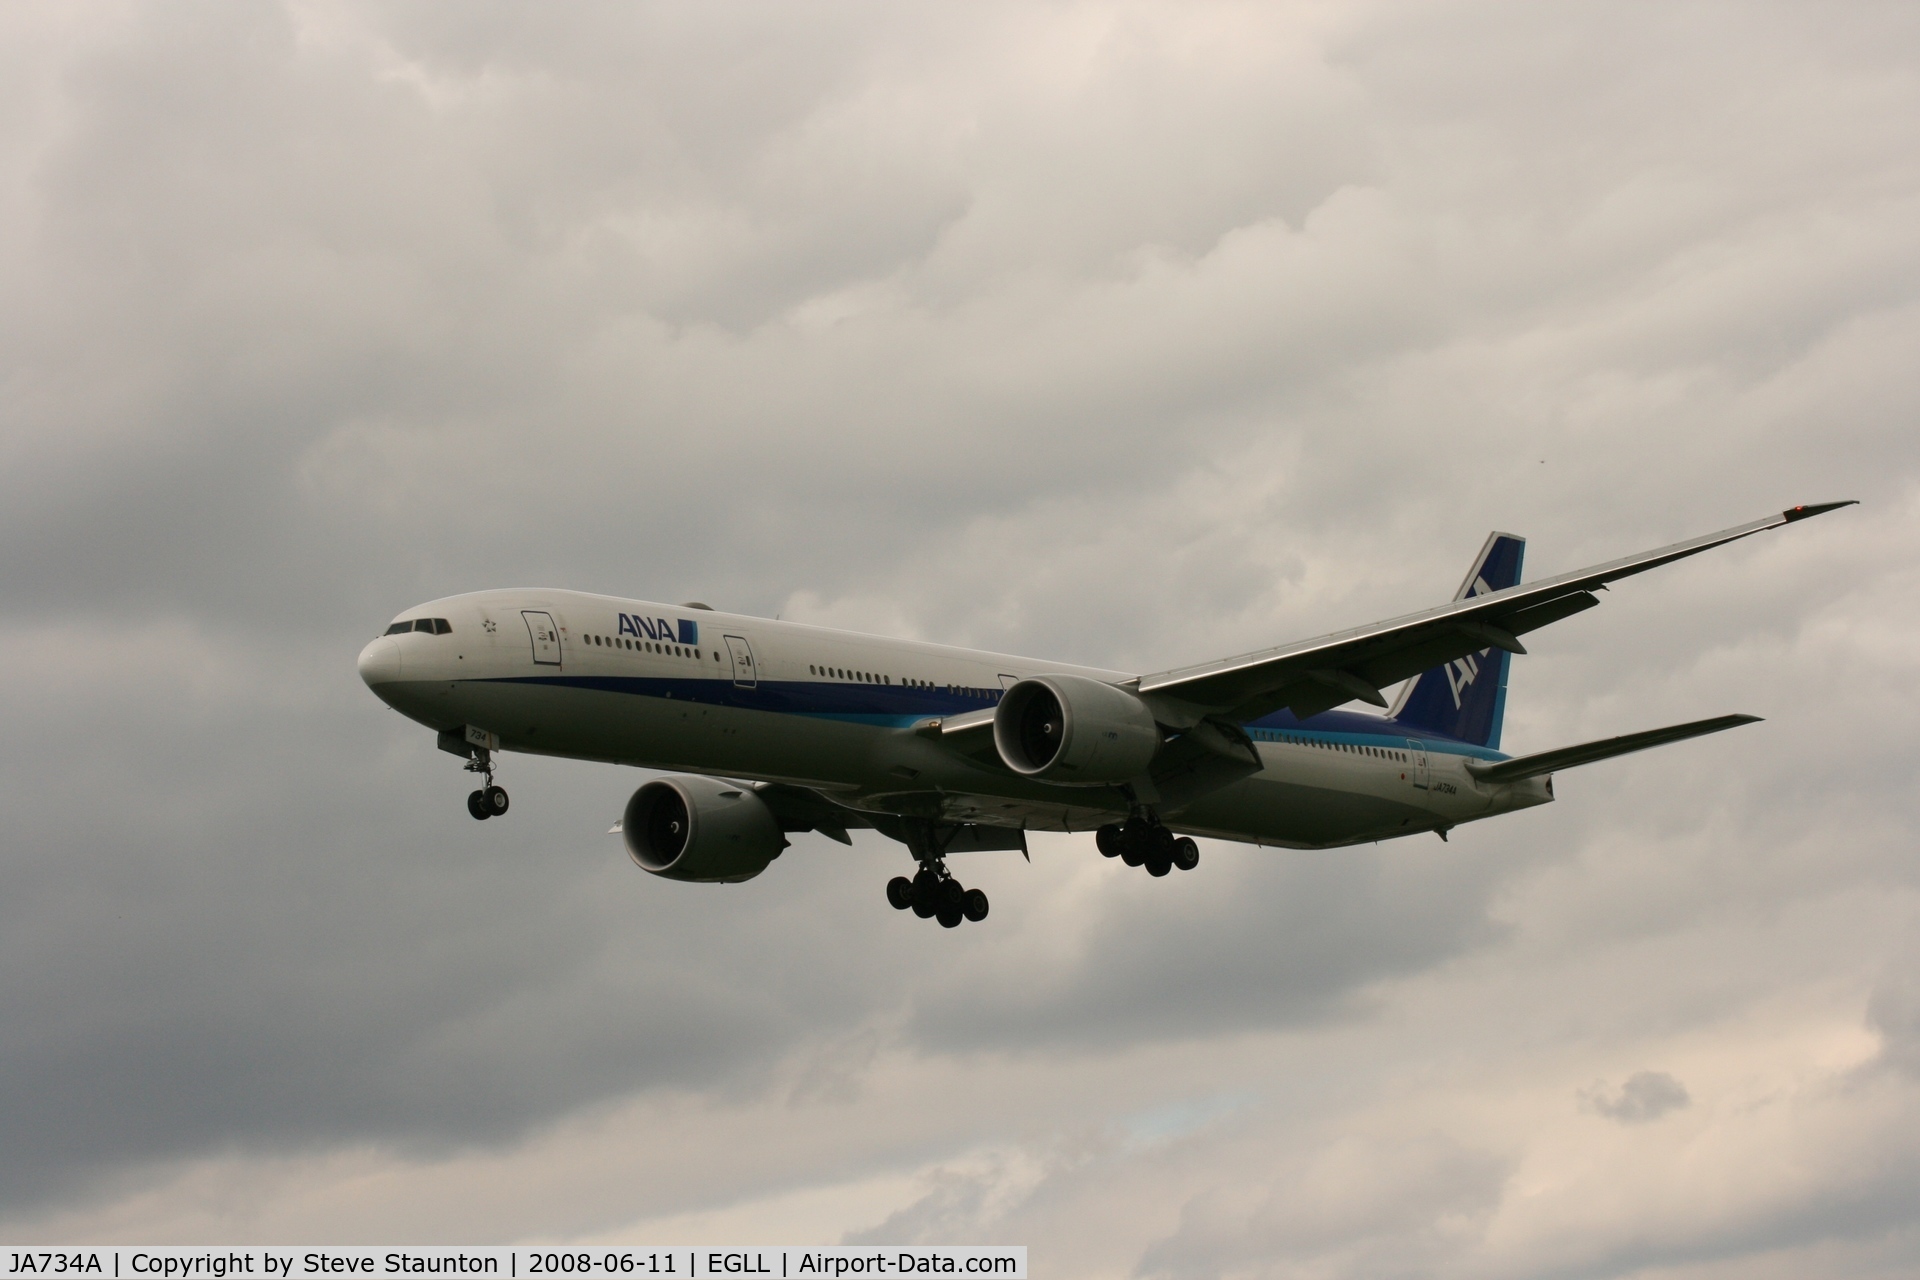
(592, 677)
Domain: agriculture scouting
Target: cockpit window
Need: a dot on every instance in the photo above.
(432, 626)
(398, 627)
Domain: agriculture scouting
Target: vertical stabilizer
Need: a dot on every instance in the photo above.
(1467, 698)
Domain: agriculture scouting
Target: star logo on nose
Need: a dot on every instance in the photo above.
(490, 626)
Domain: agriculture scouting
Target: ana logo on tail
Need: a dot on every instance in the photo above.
(1460, 674)
(1461, 671)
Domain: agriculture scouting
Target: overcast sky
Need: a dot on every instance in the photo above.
(1129, 335)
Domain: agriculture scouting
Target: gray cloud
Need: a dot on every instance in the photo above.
(1645, 1097)
(1127, 336)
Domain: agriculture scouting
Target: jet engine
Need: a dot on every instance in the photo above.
(1074, 731)
(692, 828)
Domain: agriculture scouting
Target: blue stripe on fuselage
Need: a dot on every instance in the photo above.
(899, 706)
(1354, 728)
(894, 706)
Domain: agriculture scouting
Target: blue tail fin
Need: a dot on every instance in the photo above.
(1466, 699)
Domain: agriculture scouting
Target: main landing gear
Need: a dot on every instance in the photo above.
(1142, 842)
(934, 893)
(489, 801)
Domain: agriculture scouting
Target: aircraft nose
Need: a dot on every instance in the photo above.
(380, 663)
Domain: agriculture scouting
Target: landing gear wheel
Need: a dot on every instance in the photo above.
(495, 800)
(926, 889)
(477, 806)
(934, 894)
(1186, 854)
(1139, 841)
(1107, 840)
(1159, 866)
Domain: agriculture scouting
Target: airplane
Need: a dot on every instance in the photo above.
(773, 728)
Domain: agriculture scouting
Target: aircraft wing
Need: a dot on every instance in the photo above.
(803, 809)
(1587, 752)
(1312, 676)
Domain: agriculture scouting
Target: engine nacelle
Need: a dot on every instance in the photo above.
(692, 828)
(1074, 731)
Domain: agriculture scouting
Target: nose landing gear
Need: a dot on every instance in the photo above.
(933, 893)
(1141, 841)
(489, 801)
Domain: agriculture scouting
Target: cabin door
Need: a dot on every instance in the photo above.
(545, 637)
(742, 654)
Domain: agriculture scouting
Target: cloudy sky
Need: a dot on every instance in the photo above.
(1123, 334)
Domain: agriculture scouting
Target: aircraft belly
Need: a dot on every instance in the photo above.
(657, 732)
(884, 769)
(1293, 814)
(876, 768)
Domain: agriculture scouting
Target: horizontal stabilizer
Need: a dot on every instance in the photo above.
(1587, 752)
